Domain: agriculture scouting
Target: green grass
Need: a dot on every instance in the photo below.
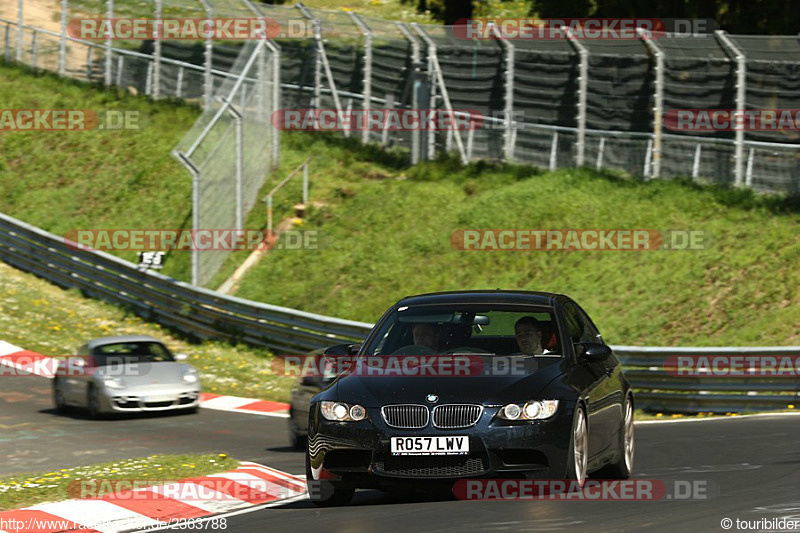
(63, 180)
(27, 489)
(38, 316)
(386, 9)
(387, 231)
(387, 227)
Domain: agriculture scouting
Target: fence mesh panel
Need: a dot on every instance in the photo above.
(230, 162)
(699, 72)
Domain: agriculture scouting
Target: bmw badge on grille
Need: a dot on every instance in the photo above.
(432, 398)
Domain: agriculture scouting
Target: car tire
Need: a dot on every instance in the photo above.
(93, 403)
(324, 493)
(59, 403)
(623, 468)
(578, 456)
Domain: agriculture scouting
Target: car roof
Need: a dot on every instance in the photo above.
(482, 296)
(102, 341)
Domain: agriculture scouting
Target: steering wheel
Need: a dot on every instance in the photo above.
(467, 350)
(414, 349)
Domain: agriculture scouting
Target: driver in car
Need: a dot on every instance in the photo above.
(426, 334)
(528, 333)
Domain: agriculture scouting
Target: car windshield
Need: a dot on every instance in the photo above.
(130, 353)
(467, 329)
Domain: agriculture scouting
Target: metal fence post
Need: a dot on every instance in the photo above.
(741, 88)
(109, 16)
(62, 43)
(749, 172)
(157, 56)
(389, 99)
(148, 83)
(658, 109)
(367, 82)
(583, 85)
(554, 152)
(305, 184)
(276, 99)
(237, 121)
(208, 54)
(195, 172)
(437, 69)
(416, 147)
(7, 46)
(89, 62)
(321, 60)
(696, 163)
(600, 149)
(120, 70)
(33, 49)
(269, 215)
(508, 111)
(20, 15)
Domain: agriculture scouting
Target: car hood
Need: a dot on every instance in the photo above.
(148, 374)
(375, 391)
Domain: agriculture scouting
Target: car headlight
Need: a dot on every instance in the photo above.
(113, 382)
(342, 412)
(533, 410)
(190, 377)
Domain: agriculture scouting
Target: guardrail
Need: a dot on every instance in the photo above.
(206, 314)
(193, 311)
(657, 389)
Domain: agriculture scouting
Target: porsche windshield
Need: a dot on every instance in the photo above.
(130, 353)
(495, 330)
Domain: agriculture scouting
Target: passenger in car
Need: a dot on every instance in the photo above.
(426, 334)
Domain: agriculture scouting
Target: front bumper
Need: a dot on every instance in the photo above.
(140, 400)
(359, 453)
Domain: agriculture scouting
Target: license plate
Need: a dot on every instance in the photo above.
(157, 399)
(454, 445)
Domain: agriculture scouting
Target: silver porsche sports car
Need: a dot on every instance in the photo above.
(125, 374)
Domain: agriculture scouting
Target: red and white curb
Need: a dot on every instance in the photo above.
(44, 366)
(159, 506)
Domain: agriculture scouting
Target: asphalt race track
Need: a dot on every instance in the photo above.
(34, 438)
(753, 463)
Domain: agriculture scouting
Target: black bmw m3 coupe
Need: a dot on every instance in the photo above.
(473, 384)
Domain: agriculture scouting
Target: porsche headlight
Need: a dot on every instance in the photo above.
(533, 410)
(190, 377)
(113, 382)
(342, 412)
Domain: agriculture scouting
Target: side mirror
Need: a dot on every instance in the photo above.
(595, 352)
(311, 381)
(181, 357)
(342, 349)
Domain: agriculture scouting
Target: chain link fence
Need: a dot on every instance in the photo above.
(551, 103)
(231, 148)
